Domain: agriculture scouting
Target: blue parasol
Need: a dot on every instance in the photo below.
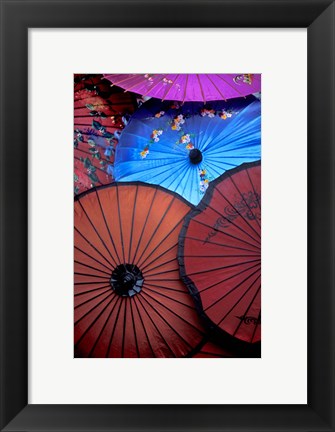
(184, 147)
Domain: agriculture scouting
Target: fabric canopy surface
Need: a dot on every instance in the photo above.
(98, 112)
(189, 87)
(211, 350)
(183, 148)
(220, 253)
(129, 299)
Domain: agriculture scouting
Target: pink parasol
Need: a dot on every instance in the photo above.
(188, 87)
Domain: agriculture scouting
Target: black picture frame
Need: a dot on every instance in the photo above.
(19, 15)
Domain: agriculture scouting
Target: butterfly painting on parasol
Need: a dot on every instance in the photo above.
(167, 215)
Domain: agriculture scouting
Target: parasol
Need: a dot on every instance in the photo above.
(183, 148)
(189, 87)
(220, 253)
(209, 349)
(129, 299)
(99, 116)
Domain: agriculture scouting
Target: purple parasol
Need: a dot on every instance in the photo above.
(189, 87)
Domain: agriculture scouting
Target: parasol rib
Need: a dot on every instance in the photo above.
(227, 234)
(246, 292)
(174, 313)
(215, 243)
(230, 277)
(132, 223)
(169, 88)
(166, 322)
(155, 230)
(135, 335)
(113, 331)
(223, 267)
(143, 326)
(93, 268)
(157, 329)
(93, 322)
(162, 241)
(234, 289)
(143, 228)
(247, 310)
(93, 298)
(104, 326)
(95, 306)
(96, 231)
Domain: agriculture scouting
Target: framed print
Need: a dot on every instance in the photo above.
(146, 91)
(47, 332)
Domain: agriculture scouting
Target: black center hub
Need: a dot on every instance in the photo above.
(195, 156)
(127, 280)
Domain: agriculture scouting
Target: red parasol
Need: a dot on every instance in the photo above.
(220, 253)
(129, 299)
(210, 349)
(99, 114)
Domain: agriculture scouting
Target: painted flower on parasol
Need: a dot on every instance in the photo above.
(129, 299)
(184, 147)
(98, 119)
(189, 87)
(220, 253)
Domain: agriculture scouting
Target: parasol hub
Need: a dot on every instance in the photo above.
(195, 156)
(127, 280)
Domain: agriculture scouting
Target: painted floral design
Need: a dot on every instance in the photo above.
(150, 78)
(144, 153)
(99, 113)
(177, 122)
(204, 180)
(189, 146)
(96, 110)
(154, 138)
(225, 114)
(249, 205)
(244, 78)
(207, 112)
(156, 134)
(185, 139)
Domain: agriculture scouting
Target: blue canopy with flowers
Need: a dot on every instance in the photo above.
(184, 147)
